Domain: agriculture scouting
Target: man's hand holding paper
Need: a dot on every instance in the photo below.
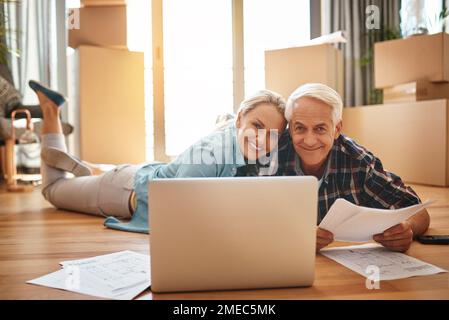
(351, 223)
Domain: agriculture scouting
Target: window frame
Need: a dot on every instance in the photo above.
(160, 152)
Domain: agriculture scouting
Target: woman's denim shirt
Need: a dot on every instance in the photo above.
(216, 155)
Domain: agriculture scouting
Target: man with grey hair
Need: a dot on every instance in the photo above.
(314, 145)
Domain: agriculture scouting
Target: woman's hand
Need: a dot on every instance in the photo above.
(323, 238)
(397, 238)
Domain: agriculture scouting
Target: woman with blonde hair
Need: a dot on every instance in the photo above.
(121, 193)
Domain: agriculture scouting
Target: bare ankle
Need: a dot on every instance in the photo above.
(50, 115)
(48, 107)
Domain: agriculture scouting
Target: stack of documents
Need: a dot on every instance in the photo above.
(122, 275)
(351, 223)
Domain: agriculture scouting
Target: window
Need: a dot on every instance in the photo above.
(198, 59)
(140, 39)
(433, 10)
(271, 24)
(72, 4)
(197, 69)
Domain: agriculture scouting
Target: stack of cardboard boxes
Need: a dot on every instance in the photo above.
(410, 131)
(287, 69)
(106, 83)
(413, 69)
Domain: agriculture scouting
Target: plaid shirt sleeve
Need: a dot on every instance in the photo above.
(383, 189)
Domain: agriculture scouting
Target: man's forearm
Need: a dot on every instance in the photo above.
(420, 222)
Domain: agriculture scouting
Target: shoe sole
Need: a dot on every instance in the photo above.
(60, 160)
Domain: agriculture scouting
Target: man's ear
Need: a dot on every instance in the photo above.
(338, 129)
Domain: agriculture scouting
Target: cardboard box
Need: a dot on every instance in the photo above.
(93, 3)
(406, 60)
(420, 90)
(287, 69)
(104, 26)
(411, 139)
(111, 104)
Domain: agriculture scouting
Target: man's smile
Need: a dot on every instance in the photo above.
(310, 149)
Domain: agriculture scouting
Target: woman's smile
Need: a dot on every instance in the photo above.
(253, 145)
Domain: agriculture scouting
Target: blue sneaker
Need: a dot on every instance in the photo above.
(54, 96)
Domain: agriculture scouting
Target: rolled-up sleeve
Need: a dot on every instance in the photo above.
(383, 189)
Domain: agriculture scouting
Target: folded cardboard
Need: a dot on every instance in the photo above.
(287, 69)
(406, 60)
(411, 139)
(416, 91)
(103, 26)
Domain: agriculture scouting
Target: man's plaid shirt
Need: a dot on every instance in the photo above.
(352, 173)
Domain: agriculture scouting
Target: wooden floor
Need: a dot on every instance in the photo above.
(35, 237)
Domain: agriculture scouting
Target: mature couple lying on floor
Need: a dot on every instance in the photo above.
(249, 145)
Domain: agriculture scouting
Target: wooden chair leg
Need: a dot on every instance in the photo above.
(11, 169)
(2, 163)
(10, 166)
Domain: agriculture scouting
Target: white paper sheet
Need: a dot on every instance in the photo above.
(332, 38)
(392, 265)
(122, 275)
(351, 223)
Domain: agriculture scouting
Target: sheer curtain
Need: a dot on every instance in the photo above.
(35, 35)
(351, 16)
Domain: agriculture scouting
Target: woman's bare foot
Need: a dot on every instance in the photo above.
(46, 104)
(51, 119)
(49, 101)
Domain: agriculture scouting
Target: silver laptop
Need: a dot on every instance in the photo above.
(232, 233)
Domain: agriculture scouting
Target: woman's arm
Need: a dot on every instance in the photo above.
(196, 162)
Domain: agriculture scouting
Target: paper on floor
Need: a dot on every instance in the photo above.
(351, 223)
(392, 265)
(122, 275)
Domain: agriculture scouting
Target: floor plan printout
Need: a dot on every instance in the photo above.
(122, 275)
(366, 258)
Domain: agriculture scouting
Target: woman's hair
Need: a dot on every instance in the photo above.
(318, 91)
(250, 103)
(259, 97)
